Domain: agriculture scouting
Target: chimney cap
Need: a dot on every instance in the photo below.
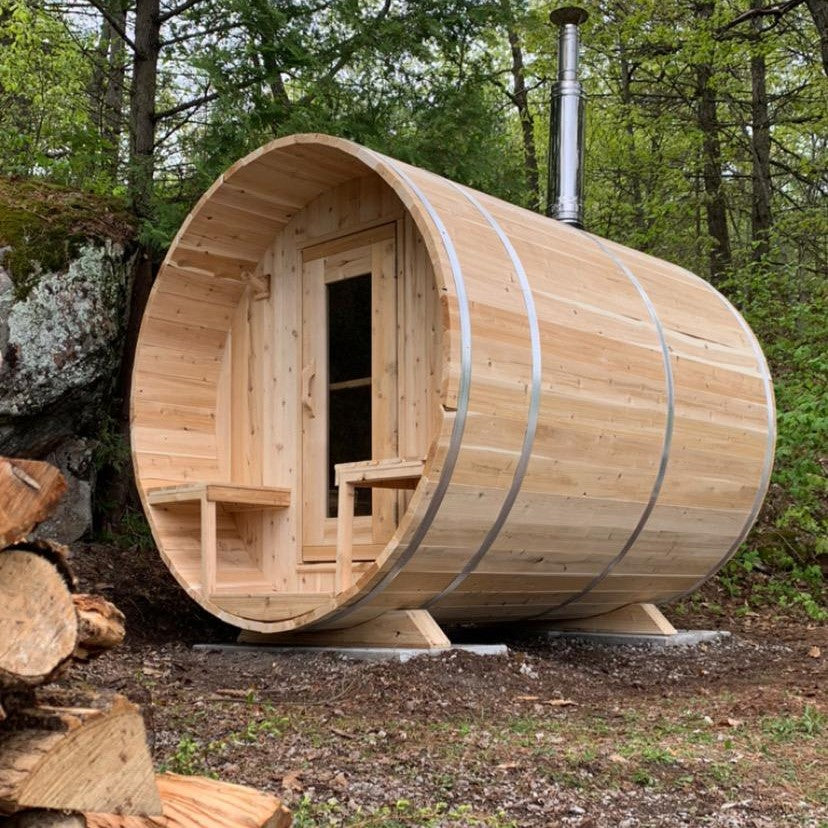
(569, 14)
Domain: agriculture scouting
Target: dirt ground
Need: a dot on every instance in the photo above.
(554, 733)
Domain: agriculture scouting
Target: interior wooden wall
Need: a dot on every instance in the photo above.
(261, 395)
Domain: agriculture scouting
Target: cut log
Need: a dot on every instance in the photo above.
(196, 802)
(44, 819)
(100, 625)
(38, 623)
(77, 758)
(29, 491)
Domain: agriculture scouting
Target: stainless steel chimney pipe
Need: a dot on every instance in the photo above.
(566, 126)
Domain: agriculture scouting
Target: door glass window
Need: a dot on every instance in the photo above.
(349, 382)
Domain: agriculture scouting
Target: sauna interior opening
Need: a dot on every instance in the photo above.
(330, 355)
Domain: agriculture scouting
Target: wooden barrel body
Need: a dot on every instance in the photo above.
(595, 425)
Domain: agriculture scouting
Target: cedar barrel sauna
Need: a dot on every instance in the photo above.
(362, 388)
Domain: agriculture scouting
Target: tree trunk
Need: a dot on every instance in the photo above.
(819, 13)
(520, 97)
(708, 122)
(112, 116)
(761, 219)
(96, 87)
(142, 105)
(627, 101)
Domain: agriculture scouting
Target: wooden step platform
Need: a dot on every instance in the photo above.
(232, 497)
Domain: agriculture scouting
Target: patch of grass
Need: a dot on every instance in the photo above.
(811, 722)
(193, 757)
(657, 755)
(401, 814)
(188, 759)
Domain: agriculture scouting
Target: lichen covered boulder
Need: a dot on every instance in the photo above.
(66, 263)
(64, 334)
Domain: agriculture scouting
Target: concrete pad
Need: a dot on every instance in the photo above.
(682, 638)
(400, 654)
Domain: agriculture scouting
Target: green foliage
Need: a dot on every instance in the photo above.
(186, 759)
(786, 307)
(44, 122)
(809, 724)
(44, 225)
(193, 757)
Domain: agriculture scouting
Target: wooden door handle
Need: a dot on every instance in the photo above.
(308, 373)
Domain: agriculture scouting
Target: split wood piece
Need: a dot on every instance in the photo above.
(414, 629)
(196, 802)
(636, 619)
(29, 491)
(233, 497)
(90, 758)
(100, 625)
(38, 623)
(371, 474)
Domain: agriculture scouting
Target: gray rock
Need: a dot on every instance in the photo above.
(63, 336)
(60, 353)
(61, 348)
(72, 518)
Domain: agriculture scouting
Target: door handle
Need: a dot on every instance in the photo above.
(308, 373)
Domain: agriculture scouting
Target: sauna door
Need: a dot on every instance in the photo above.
(349, 385)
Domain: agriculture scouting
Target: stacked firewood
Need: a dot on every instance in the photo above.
(71, 758)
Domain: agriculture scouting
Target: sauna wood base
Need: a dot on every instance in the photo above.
(636, 619)
(414, 629)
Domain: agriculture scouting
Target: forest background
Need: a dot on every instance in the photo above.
(706, 141)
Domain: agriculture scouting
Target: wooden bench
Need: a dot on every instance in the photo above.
(381, 474)
(233, 497)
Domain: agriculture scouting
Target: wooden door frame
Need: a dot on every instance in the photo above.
(372, 251)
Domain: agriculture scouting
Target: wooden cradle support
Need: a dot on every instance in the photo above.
(414, 629)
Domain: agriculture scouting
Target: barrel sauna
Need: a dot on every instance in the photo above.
(526, 421)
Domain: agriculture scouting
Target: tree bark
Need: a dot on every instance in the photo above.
(45, 819)
(112, 115)
(520, 97)
(761, 218)
(142, 105)
(819, 13)
(708, 122)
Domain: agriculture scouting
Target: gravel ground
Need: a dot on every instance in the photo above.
(554, 733)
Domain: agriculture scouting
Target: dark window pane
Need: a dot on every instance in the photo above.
(349, 439)
(349, 378)
(349, 329)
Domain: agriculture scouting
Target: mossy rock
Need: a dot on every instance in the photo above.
(44, 226)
